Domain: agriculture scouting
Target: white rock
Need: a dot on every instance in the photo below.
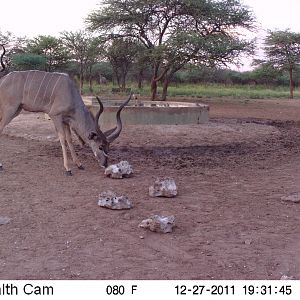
(113, 171)
(120, 170)
(4, 220)
(155, 223)
(110, 200)
(164, 187)
(292, 198)
(286, 277)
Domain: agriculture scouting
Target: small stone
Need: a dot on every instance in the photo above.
(110, 200)
(1, 167)
(4, 220)
(142, 237)
(119, 171)
(162, 224)
(285, 277)
(292, 198)
(248, 242)
(164, 187)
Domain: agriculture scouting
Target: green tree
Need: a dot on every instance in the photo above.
(103, 72)
(121, 54)
(5, 38)
(94, 53)
(84, 49)
(265, 73)
(28, 61)
(176, 32)
(52, 49)
(5, 41)
(282, 50)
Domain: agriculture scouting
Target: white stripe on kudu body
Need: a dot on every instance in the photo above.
(37, 93)
(47, 86)
(24, 89)
(57, 80)
(56, 95)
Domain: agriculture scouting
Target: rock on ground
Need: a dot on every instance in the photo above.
(164, 187)
(155, 223)
(120, 170)
(286, 277)
(110, 200)
(292, 198)
(4, 220)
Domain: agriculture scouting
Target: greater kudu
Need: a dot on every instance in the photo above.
(57, 95)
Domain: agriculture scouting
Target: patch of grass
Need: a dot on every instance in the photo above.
(205, 91)
(233, 91)
(97, 89)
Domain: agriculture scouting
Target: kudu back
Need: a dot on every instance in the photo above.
(57, 95)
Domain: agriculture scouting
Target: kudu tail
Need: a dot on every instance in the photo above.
(1, 59)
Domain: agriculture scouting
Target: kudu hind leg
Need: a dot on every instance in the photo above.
(5, 117)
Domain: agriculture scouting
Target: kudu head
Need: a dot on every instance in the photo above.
(102, 140)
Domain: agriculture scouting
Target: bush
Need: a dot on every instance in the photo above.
(28, 61)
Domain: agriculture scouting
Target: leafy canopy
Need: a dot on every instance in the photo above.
(283, 49)
(177, 32)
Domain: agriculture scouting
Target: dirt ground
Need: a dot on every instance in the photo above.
(230, 220)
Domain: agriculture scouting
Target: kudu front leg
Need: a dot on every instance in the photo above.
(71, 147)
(60, 129)
(62, 139)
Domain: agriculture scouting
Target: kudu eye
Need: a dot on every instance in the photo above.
(92, 135)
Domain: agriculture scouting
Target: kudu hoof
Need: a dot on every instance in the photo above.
(69, 173)
(80, 167)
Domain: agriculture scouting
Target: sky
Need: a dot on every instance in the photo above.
(39, 17)
(31, 18)
(276, 14)
(44, 17)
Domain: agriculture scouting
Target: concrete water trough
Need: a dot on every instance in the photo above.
(150, 112)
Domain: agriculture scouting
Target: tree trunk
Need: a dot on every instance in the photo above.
(90, 80)
(153, 89)
(165, 88)
(123, 84)
(291, 83)
(81, 83)
(140, 79)
(118, 78)
(154, 82)
(81, 77)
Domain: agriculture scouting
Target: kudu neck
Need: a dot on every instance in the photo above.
(83, 123)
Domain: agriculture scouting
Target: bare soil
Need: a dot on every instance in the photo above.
(230, 220)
